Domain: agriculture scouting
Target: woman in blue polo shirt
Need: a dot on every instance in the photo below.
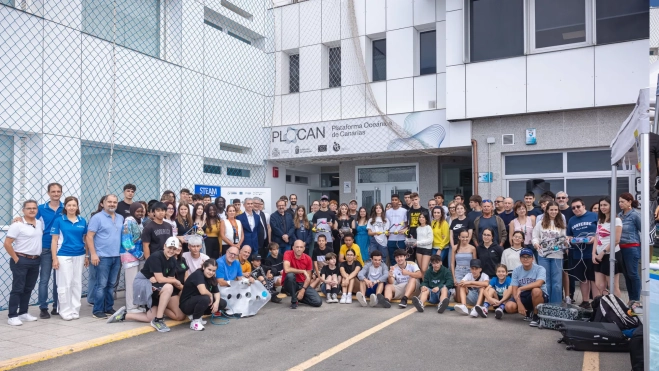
(69, 257)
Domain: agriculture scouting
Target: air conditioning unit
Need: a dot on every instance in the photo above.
(508, 139)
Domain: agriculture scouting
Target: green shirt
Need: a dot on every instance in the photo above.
(441, 278)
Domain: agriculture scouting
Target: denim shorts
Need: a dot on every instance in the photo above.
(472, 296)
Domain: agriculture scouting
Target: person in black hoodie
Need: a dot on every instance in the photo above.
(489, 253)
(273, 265)
(413, 216)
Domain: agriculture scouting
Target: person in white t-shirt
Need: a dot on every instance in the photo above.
(472, 289)
(194, 258)
(378, 230)
(23, 245)
(397, 217)
(602, 249)
(403, 281)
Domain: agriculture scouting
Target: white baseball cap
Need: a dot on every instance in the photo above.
(173, 242)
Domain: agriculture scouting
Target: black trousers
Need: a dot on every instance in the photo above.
(199, 305)
(310, 298)
(24, 277)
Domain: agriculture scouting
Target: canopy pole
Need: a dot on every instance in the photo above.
(645, 244)
(612, 228)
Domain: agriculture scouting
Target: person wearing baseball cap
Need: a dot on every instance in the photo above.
(352, 209)
(156, 287)
(529, 288)
(472, 288)
(258, 273)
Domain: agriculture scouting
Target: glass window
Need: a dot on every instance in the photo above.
(212, 169)
(559, 22)
(496, 29)
(7, 2)
(619, 21)
(427, 51)
(517, 188)
(387, 174)
(6, 178)
(329, 180)
(239, 38)
(589, 161)
(334, 67)
(137, 23)
(591, 190)
(534, 163)
(140, 169)
(238, 172)
(379, 60)
(294, 73)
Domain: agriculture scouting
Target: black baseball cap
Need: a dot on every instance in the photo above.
(475, 263)
(257, 257)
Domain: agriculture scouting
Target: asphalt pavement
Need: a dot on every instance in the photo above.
(279, 338)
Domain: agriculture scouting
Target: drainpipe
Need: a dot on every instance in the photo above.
(474, 165)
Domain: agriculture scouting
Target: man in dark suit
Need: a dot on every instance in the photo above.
(282, 227)
(265, 226)
(251, 226)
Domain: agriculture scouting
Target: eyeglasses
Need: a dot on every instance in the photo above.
(233, 254)
(561, 198)
(517, 237)
(576, 207)
(498, 202)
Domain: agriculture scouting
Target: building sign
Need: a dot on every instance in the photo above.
(203, 190)
(241, 193)
(411, 131)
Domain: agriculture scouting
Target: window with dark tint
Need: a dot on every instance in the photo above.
(517, 188)
(428, 55)
(294, 73)
(559, 22)
(334, 67)
(212, 169)
(589, 161)
(231, 171)
(593, 189)
(239, 38)
(622, 20)
(541, 163)
(496, 29)
(7, 2)
(380, 60)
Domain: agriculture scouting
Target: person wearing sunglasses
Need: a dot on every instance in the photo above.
(498, 205)
(582, 225)
(564, 206)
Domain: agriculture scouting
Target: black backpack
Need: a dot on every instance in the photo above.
(610, 308)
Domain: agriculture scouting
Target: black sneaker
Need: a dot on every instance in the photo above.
(498, 313)
(535, 321)
(274, 298)
(417, 303)
(294, 305)
(585, 305)
(403, 303)
(110, 311)
(44, 314)
(100, 315)
(385, 303)
(442, 306)
(54, 311)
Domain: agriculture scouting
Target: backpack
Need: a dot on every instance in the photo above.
(610, 308)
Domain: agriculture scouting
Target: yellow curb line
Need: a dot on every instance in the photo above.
(337, 348)
(591, 361)
(77, 347)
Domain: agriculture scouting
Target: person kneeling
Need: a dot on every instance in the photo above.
(497, 293)
(403, 281)
(434, 288)
(201, 295)
(529, 288)
(472, 288)
(372, 279)
(156, 287)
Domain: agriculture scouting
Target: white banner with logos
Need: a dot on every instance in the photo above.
(231, 193)
(427, 130)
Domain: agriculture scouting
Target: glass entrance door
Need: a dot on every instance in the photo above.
(370, 194)
(399, 189)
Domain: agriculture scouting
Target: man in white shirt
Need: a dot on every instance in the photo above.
(397, 217)
(194, 258)
(403, 281)
(23, 245)
(472, 289)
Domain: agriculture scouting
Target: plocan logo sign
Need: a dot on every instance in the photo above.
(275, 152)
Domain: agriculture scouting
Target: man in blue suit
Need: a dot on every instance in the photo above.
(251, 225)
(283, 229)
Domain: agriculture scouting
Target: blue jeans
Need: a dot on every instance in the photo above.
(44, 276)
(283, 249)
(630, 259)
(374, 245)
(107, 272)
(446, 253)
(91, 284)
(554, 272)
(393, 246)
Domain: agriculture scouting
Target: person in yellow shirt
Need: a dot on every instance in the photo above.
(441, 237)
(349, 243)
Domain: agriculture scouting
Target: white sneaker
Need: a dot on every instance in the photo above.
(203, 322)
(196, 325)
(27, 317)
(335, 299)
(349, 299)
(329, 299)
(473, 313)
(75, 316)
(374, 300)
(462, 309)
(361, 299)
(344, 297)
(14, 321)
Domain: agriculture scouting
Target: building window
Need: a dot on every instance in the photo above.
(329, 180)
(140, 169)
(427, 53)
(582, 174)
(558, 24)
(137, 23)
(334, 67)
(212, 169)
(387, 174)
(380, 60)
(6, 178)
(239, 38)
(231, 171)
(619, 21)
(7, 2)
(496, 29)
(294, 73)
(209, 23)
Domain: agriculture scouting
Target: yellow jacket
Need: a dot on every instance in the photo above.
(440, 234)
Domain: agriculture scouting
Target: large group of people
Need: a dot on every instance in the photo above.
(503, 256)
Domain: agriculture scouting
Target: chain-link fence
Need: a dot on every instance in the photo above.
(163, 94)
